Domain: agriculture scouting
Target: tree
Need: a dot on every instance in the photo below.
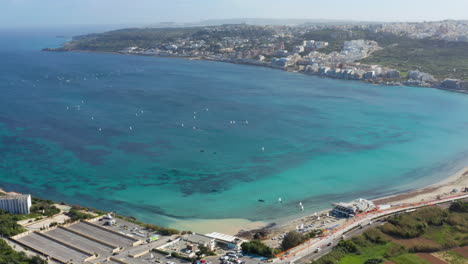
(257, 247)
(348, 246)
(459, 206)
(292, 239)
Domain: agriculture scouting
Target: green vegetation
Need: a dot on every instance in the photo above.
(43, 207)
(8, 224)
(459, 207)
(8, 255)
(76, 215)
(257, 247)
(206, 251)
(162, 230)
(439, 58)
(431, 229)
(415, 224)
(292, 239)
(119, 39)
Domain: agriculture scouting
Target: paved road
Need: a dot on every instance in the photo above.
(314, 256)
(303, 253)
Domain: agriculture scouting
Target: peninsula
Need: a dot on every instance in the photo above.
(427, 54)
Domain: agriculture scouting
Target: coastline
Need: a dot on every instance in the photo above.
(264, 65)
(236, 225)
(247, 229)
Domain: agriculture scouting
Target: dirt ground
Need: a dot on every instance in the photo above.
(430, 258)
(411, 242)
(462, 251)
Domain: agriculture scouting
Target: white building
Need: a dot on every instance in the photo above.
(199, 239)
(298, 49)
(321, 44)
(352, 208)
(16, 204)
(226, 241)
(309, 43)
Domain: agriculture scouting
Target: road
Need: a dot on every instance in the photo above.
(305, 252)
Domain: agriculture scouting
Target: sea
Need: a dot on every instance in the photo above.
(168, 139)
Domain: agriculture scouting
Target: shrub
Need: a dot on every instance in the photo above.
(375, 236)
(257, 247)
(331, 258)
(76, 215)
(395, 250)
(374, 261)
(206, 251)
(360, 241)
(348, 246)
(292, 239)
(431, 215)
(162, 230)
(45, 208)
(424, 247)
(8, 255)
(8, 224)
(459, 206)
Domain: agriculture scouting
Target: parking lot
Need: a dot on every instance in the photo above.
(53, 248)
(119, 240)
(234, 257)
(79, 241)
(127, 228)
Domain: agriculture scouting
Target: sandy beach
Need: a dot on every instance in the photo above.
(457, 181)
(246, 228)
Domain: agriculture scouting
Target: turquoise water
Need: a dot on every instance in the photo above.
(65, 134)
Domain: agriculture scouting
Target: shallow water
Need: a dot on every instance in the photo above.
(106, 131)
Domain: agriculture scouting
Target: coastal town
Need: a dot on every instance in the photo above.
(334, 51)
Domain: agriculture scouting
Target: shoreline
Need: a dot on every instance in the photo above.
(240, 62)
(247, 229)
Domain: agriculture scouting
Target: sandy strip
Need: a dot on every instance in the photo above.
(230, 226)
(458, 181)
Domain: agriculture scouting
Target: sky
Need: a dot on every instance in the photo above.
(55, 13)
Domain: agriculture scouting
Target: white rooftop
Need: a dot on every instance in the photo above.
(223, 237)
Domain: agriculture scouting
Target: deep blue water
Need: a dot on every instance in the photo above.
(165, 139)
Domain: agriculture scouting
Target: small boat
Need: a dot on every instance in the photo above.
(261, 200)
(280, 200)
(263, 148)
(131, 128)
